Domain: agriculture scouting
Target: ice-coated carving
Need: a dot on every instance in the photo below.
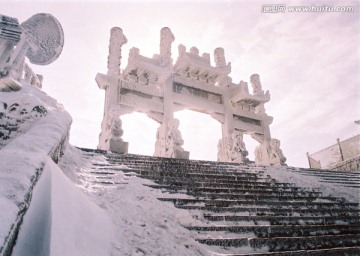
(239, 151)
(117, 40)
(169, 141)
(256, 84)
(116, 143)
(276, 154)
(166, 39)
(16, 118)
(219, 57)
(232, 148)
(31, 77)
(173, 140)
(269, 153)
(10, 33)
(159, 88)
(40, 39)
(45, 37)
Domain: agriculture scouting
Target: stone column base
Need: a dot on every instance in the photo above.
(118, 146)
(181, 154)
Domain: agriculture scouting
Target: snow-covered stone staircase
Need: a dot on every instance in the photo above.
(243, 210)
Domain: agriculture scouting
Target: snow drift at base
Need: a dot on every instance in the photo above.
(62, 220)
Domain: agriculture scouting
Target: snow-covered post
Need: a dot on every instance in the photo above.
(166, 39)
(110, 83)
(117, 40)
(225, 145)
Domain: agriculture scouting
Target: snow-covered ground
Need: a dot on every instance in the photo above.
(141, 224)
(292, 175)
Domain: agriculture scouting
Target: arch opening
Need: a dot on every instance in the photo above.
(140, 133)
(250, 144)
(200, 133)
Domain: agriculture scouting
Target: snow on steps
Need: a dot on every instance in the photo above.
(243, 210)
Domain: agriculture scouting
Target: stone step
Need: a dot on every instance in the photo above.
(323, 171)
(263, 231)
(254, 196)
(288, 220)
(253, 185)
(235, 190)
(197, 176)
(226, 203)
(288, 243)
(348, 183)
(232, 177)
(274, 210)
(212, 183)
(336, 251)
(334, 176)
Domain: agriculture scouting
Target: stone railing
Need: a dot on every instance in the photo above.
(350, 165)
(343, 154)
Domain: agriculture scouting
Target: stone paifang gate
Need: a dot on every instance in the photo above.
(159, 88)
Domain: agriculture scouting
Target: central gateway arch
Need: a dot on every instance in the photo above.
(159, 88)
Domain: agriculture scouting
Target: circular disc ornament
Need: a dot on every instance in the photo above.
(45, 36)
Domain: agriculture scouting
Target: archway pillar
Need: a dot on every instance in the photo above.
(168, 137)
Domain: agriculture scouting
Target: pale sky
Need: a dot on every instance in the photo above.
(309, 62)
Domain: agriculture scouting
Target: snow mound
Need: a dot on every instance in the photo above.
(25, 150)
(62, 220)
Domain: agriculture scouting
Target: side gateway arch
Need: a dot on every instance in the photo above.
(159, 88)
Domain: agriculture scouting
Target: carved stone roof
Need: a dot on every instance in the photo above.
(192, 65)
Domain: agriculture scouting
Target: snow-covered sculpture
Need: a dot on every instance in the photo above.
(159, 88)
(116, 143)
(239, 151)
(16, 118)
(232, 148)
(40, 39)
(174, 141)
(269, 153)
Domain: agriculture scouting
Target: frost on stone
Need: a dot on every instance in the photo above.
(46, 38)
(158, 87)
(40, 39)
(16, 119)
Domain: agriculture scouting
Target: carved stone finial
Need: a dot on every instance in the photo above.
(117, 40)
(194, 50)
(166, 39)
(256, 84)
(10, 33)
(219, 57)
(181, 49)
(41, 40)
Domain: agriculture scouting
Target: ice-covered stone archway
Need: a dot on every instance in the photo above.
(159, 88)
